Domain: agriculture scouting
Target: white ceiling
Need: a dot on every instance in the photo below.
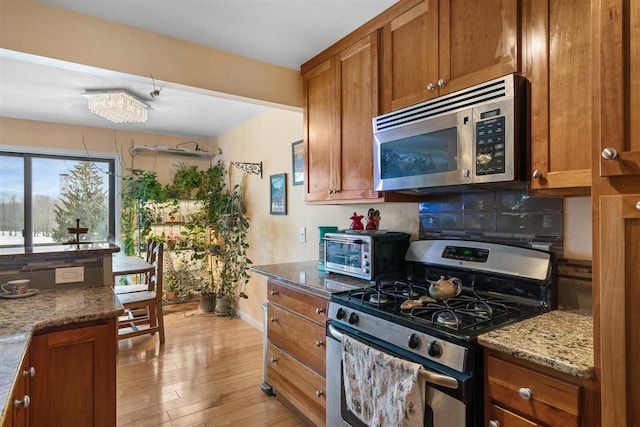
(283, 32)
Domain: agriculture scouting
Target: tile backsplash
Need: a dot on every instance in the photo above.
(499, 216)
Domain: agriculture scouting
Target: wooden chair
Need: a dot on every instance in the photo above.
(150, 258)
(144, 308)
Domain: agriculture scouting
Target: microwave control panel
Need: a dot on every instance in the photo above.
(490, 143)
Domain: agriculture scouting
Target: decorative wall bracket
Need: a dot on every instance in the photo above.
(254, 168)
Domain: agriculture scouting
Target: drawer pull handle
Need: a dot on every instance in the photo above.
(25, 402)
(319, 343)
(319, 393)
(31, 372)
(319, 310)
(274, 293)
(274, 360)
(494, 423)
(609, 153)
(274, 319)
(525, 393)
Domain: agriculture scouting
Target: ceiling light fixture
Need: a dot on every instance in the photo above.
(117, 105)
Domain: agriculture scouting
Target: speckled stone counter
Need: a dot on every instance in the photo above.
(306, 277)
(20, 318)
(39, 251)
(562, 340)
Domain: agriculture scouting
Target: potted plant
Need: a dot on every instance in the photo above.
(174, 288)
(172, 239)
(230, 263)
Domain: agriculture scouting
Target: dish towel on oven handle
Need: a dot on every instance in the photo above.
(381, 390)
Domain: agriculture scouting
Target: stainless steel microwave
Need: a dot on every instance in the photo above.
(472, 136)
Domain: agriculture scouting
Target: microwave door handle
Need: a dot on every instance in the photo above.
(428, 376)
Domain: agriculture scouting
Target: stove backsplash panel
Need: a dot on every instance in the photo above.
(509, 217)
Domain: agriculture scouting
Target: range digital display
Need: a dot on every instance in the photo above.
(466, 254)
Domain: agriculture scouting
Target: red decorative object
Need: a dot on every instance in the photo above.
(372, 224)
(356, 222)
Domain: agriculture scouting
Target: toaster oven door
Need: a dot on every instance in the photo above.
(344, 255)
(427, 153)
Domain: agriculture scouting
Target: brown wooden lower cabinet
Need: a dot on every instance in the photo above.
(519, 393)
(75, 381)
(17, 412)
(296, 352)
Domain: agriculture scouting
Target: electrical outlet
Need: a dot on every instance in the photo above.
(303, 234)
(69, 275)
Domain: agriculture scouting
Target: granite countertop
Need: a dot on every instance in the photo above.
(559, 339)
(20, 318)
(305, 276)
(81, 249)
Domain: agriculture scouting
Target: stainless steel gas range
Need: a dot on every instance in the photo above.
(501, 285)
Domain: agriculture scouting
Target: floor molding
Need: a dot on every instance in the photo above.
(250, 320)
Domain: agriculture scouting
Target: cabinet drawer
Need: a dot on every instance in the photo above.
(551, 401)
(297, 384)
(312, 307)
(507, 419)
(297, 336)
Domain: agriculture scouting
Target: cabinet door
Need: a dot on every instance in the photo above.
(75, 377)
(322, 131)
(353, 162)
(619, 328)
(558, 67)
(503, 418)
(410, 57)
(478, 42)
(620, 87)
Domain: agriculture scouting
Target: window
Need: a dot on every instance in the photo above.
(41, 196)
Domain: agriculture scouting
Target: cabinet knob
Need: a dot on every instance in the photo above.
(431, 86)
(31, 372)
(494, 423)
(638, 206)
(274, 360)
(536, 174)
(319, 310)
(25, 402)
(319, 393)
(274, 293)
(442, 82)
(274, 319)
(609, 153)
(319, 343)
(525, 393)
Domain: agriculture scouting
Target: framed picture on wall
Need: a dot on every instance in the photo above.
(297, 163)
(278, 194)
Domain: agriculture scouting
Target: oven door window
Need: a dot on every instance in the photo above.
(426, 154)
(344, 253)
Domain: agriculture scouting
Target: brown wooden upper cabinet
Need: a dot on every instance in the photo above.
(620, 88)
(341, 98)
(438, 47)
(557, 63)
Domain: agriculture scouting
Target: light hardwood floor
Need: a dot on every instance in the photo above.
(208, 373)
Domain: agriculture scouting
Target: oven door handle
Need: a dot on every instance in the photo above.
(428, 376)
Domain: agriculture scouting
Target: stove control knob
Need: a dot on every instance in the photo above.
(365, 263)
(434, 349)
(353, 319)
(340, 313)
(414, 341)
(365, 255)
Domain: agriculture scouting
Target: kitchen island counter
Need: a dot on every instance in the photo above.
(560, 339)
(306, 277)
(21, 318)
